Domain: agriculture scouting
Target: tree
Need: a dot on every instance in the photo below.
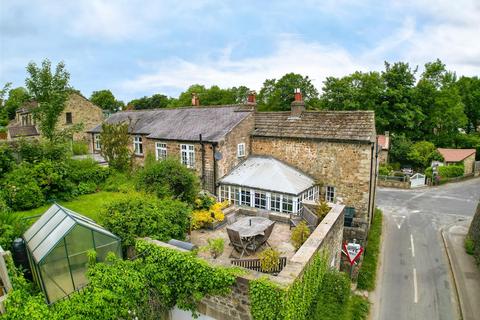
(106, 100)
(211, 96)
(278, 95)
(422, 153)
(469, 90)
(154, 102)
(400, 148)
(50, 91)
(115, 142)
(16, 98)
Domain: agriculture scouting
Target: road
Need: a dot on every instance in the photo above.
(414, 280)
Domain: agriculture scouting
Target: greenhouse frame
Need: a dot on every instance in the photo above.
(57, 245)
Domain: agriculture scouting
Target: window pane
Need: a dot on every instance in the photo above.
(260, 200)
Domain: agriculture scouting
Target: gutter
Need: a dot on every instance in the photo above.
(214, 147)
(203, 159)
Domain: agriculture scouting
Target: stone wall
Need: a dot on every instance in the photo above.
(228, 147)
(345, 166)
(469, 164)
(393, 184)
(474, 233)
(83, 111)
(383, 156)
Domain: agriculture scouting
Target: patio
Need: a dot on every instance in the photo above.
(279, 240)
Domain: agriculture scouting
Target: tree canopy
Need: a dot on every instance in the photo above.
(106, 100)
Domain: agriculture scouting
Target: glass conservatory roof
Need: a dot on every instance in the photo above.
(268, 173)
(53, 226)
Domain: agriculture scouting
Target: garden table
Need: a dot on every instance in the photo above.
(249, 227)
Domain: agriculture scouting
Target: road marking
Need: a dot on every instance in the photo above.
(415, 291)
(415, 211)
(399, 224)
(413, 247)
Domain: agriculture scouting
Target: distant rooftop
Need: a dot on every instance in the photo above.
(184, 124)
(268, 173)
(325, 125)
(455, 155)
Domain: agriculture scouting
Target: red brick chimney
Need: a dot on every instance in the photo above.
(195, 100)
(298, 105)
(252, 98)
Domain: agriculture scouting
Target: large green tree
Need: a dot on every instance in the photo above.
(154, 102)
(211, 96)
(51, 91)
(469, 90)
(106, 100)
(16, 98)
(277, 95)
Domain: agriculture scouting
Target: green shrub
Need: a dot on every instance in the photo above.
(451, 171)
(20, 190)
(299, 235)
(86, 170)
(7, 160)
(322, 210)
(11, 226)
(333, 296)
(32, 151)
(358, 308)
(79, 147)
(269, 259)
(368, 271)
(118, 182)
(52, 178)
(383, 171)
(138, 215)
(169, 178)
(215, 247)
(469, 245)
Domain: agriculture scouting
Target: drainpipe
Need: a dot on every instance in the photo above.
(214, 149)
(203, 161)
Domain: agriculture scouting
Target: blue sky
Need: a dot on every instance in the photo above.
(138, 48)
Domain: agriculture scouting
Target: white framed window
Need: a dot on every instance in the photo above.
(96, 141)
(188, 155)
(275, 202)
(235, 194)
(260, 199)
(287, 204)
(160, 150)
(245, 198)
(241, 150)
(224, 193)
(138, 145)
(330, 194)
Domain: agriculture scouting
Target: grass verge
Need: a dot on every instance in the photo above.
(368, 271)
(88, 205)
(469, 245)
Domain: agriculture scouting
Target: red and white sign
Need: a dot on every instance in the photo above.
(353, 251)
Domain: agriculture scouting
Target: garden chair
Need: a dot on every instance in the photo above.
(231, 218)
(264, 239)
(239, 244)
(310, 218)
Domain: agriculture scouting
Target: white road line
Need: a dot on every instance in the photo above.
(413, 247)
(415, 291)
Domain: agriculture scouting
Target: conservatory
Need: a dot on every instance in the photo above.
(57, 245)
(267, 183)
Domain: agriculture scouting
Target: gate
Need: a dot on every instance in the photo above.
(417, 180)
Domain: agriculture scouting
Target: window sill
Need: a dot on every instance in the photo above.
(138, 155)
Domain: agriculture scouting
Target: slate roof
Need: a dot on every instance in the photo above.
(325, 125)
(22, 131)
(182, 123)
(455, 155)
(270, 174)
(27, 106)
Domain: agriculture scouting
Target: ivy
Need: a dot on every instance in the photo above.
(305, 298)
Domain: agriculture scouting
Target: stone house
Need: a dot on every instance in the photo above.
(268, 160)
(78, 110)
(383, 141)
(458, 157)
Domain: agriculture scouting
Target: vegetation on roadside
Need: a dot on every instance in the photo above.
(469, 245)
(368, 271)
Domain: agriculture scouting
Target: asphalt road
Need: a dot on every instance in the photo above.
(414, 280)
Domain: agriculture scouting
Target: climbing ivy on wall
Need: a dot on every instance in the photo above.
(144, 288)
(300, 301)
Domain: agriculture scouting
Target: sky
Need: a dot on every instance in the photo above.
(138, 48)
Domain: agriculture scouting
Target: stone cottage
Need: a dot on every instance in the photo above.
(267, 160)
(459, 157)
(78, 110)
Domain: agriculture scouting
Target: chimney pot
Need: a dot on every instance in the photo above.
(298, 105)
(251, 98)
(195, 100)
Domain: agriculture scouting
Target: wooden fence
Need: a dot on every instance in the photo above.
(254, 264)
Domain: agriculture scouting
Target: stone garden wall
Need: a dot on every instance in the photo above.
(474, 233)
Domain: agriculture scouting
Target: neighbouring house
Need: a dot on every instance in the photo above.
(383, 141)
(465, 157)
(78, 110)
(267, 160)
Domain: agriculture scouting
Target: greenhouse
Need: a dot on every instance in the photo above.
(57, 245)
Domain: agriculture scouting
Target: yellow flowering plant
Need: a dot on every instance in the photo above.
(204, 217)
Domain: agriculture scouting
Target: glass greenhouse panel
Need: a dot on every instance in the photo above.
(78, 268)
(79, 240)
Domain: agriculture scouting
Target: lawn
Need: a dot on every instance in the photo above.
(88, 205)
